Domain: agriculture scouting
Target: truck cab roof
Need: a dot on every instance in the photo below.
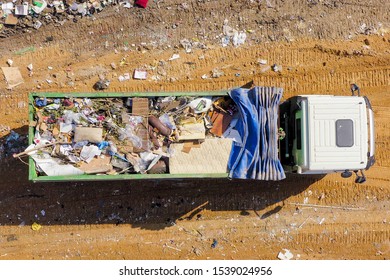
(330, 133)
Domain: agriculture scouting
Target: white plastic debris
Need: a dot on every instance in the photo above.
(201, 105)
(262, 61)
(174, 56)
(37, 24)
(89, 152)
(43, 213)
(140, 74)
(124, 77)
(239, 39)
(10, 62)
(38, 6)
(7, 7)
(286, 255)
(277, 68)
(30, 67)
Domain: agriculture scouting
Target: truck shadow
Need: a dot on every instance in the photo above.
(147, 204)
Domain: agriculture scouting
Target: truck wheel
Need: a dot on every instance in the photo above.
(346, 174)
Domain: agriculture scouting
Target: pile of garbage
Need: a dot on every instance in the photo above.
(129, 135)
(11, 144)
(33, 14)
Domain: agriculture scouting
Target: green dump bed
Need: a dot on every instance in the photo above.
(154, 135)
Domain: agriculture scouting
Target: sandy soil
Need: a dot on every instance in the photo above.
(322, 46)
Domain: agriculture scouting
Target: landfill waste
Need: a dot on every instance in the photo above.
(127, 135)
(102, 84)
(13, 143)
(34, 14)
(232, 35)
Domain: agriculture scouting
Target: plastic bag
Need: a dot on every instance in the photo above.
(128, 133)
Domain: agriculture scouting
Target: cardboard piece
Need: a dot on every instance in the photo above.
(220, 122)
(211, 157)
(12, 76)
(97, 165)
(192, 131)
(189, 145)
(91, 134)
(11, 20)
(140, 107)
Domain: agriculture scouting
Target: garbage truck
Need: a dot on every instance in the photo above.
(237, 134)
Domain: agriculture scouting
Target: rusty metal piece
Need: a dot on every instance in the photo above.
(162, 128)
(159, 168)
(153, 138)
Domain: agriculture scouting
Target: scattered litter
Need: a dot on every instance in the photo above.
(286, 255)
(38, 6)
(43, 213)
(277, 68)
(262, 61)
(214, 244)
(141, 3)
(239, 39)
(21, 10)
(124, 77)
(187, 45)
(140, 74)
(30, 67)
(11, 20)
(35, 226)
(37, 24)
(205, 76)
(174, 56)
(231, 34)
(216, 73)
(10, 62)
(265, 68)
(101, 84)
(12, 76)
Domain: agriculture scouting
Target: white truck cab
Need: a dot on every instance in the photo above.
(327, 133)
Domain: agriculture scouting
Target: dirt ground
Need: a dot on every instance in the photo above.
(323, 46)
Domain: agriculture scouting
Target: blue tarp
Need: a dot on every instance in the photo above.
(257, 156)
